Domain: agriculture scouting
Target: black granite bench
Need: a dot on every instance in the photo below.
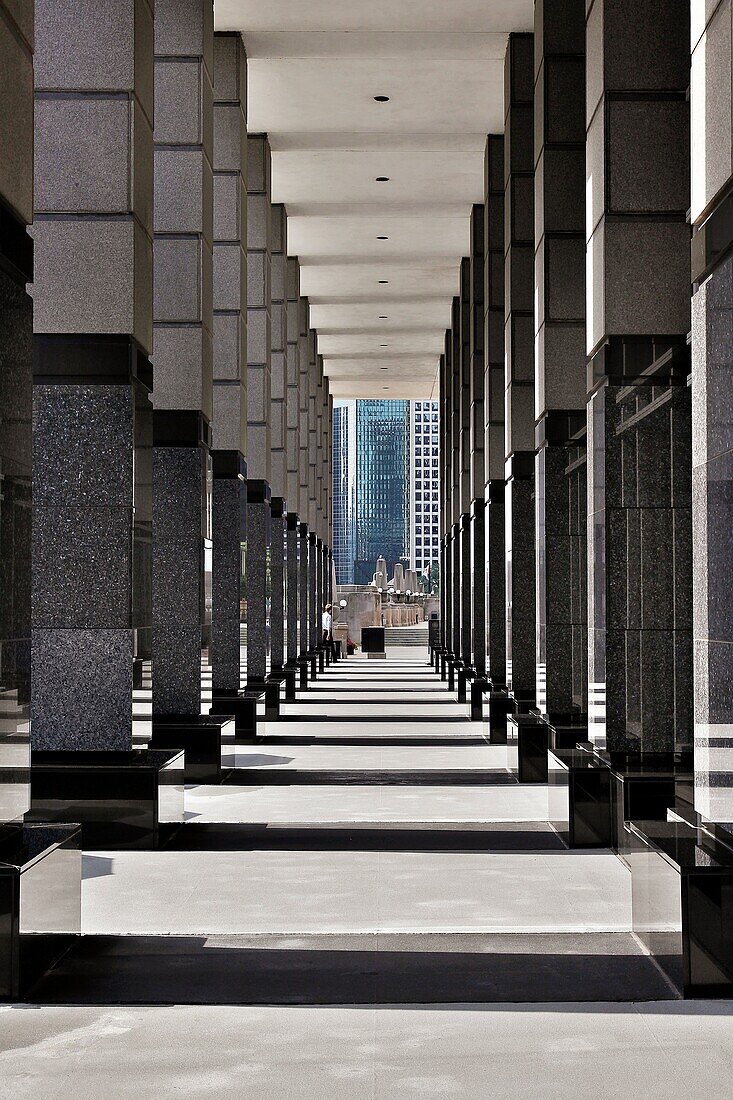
(40, 901)
(682, 902)
(119, 798)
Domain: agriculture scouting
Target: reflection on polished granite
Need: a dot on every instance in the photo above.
(682, 903)
(40, 900)
(116, 796)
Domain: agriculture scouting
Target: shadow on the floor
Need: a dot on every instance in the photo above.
(239, 837)
(114, 970)
(97, 866)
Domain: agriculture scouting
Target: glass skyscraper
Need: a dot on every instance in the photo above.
(344, 490)
(385, 486)
(382, 509)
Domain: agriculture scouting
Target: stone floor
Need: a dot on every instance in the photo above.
(370, 906)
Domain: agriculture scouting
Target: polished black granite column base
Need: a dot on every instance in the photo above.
(479, 687)
(445, 659)
(119, 798)
(199, 736)
(605, 790)
(579, 798)
(567, 737)
(273, 687)
(527, 747)
(40, 901)
(321, 651)
(290, 679)
(682, 902)
(464, 677)
(312, 656)
(137, 673)
(499, 705)
(243, 706)
(303, 671)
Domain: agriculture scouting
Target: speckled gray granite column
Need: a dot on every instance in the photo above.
(519, 358)
(229, 428)
(442, 404)
(712, 386)
(639, 438)
(464, 464)
(258, 549)
(560, 474)
(314, 611)
(278, 435)
(446, 459)
(476, 444)
(183, 349)
(303, 574)
(455, 442)
(494, 409)
(291, 587)
(92, 378)
(304, 470)
(16, 400)
(259, 350)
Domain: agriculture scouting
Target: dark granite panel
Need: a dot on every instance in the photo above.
(228, 524)
(641, 135)
(82, 581)
(82, 689)
(83, 442)
(180, 526)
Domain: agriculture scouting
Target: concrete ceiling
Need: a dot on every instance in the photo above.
(314, 69)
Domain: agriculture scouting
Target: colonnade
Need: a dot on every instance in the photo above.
(587, 503)
(170, 391)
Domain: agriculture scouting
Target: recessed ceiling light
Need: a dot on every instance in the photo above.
(382, 238)
(381, 98)
(384, 345)
(383, 317)
(382, 179)
(384, 280)
(382, 368)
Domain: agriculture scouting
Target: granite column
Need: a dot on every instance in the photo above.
(519, 361)
(278, 442)
(560, 464)
(182, 353)
(16, 404)
(229, 428)
(464, 476)
(292, 429)
(639, 437)
(259, 458)
(712, 410)
(476, 455)
(494, 490)
(93, 420)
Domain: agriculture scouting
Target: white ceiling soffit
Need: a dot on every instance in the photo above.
(381, 307)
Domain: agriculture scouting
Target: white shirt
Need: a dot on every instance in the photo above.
(327, 622)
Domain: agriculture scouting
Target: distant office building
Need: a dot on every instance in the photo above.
(382, 495)
(385, 486)
(424, 489)
(344, 490)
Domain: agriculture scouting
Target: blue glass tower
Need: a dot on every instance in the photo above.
(382, 484)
